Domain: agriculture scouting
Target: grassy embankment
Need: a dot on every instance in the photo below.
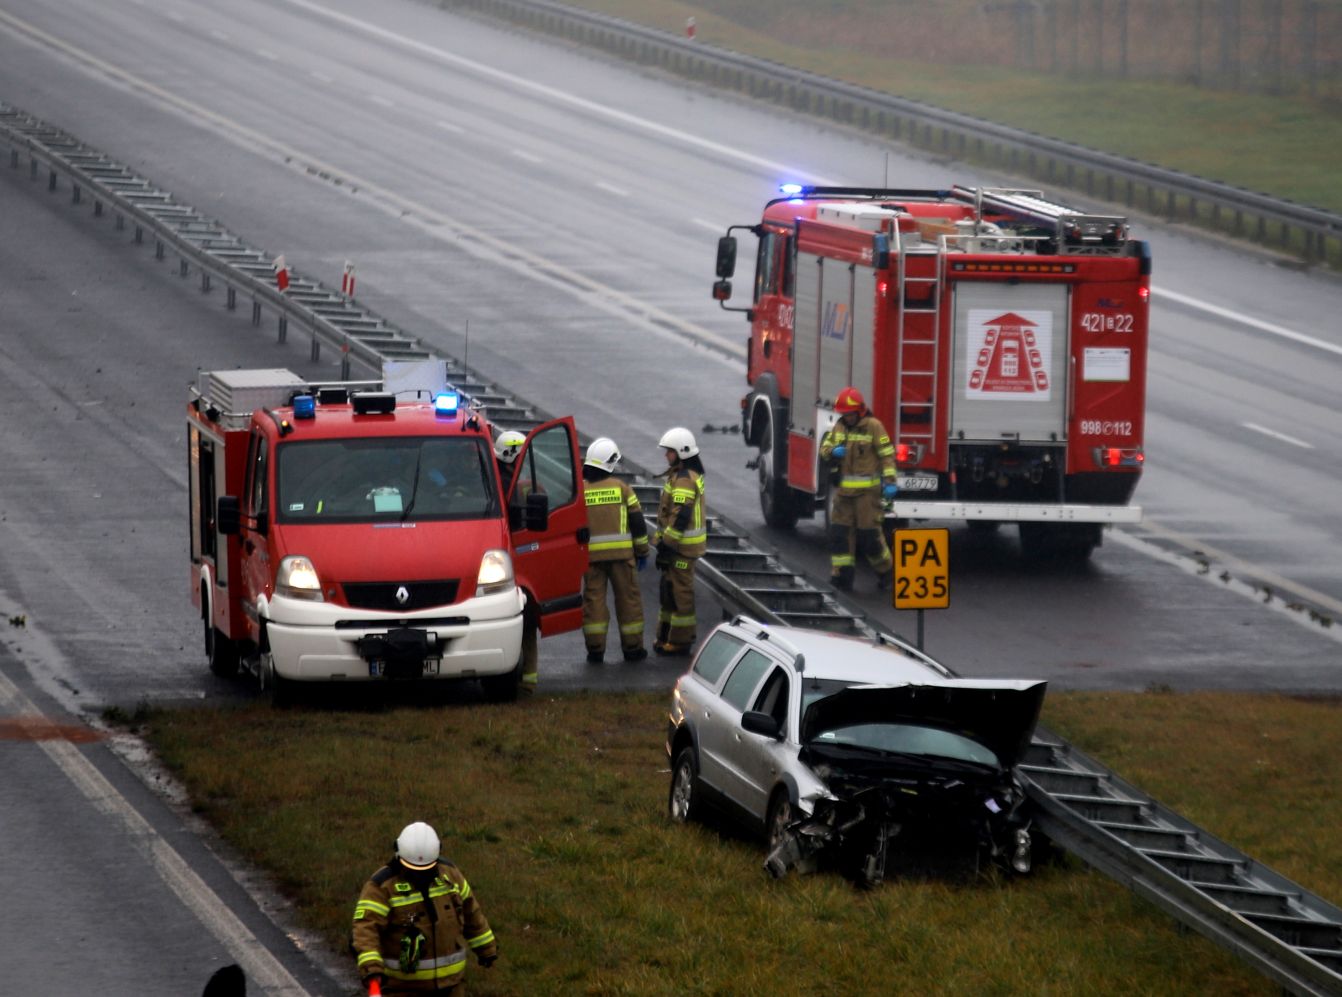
(1286, 145)
(554, 809)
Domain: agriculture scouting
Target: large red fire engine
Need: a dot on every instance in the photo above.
(1000, 337)
(360, 532)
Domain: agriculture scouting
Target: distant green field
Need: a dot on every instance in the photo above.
(1288, 146)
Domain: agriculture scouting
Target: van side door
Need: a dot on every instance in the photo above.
(549, 563)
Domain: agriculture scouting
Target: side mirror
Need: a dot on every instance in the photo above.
(538, 512)
(227, 518)
(722, 290)
(726, 256)
(765, 724)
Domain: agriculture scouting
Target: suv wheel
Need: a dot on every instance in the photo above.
(683, 799)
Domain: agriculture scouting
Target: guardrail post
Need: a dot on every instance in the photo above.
(32, 168)
(158, 249)
(51, 181)
(14, 159)
(256, 312)
(74, 193)
(344, 365)
(284, 329)
(97, 209)
(120, 222)
(316, 351)
(204, 281)
(232, 301)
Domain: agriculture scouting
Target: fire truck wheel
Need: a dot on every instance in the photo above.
(776, 499)
(503, 688)
(283, 691)
(221, 652)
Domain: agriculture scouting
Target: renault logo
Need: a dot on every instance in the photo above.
(402, 595)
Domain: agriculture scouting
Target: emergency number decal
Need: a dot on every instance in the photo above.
(1101, 322)
(1100, 364)
(1008, 354)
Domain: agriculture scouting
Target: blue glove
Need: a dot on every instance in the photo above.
(889, 490)
(642, 562)
(839, 451)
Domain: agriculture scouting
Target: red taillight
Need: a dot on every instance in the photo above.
(1112, 456)
(882, 287)
(902, 453)
(1118, 456)
(1143, 293)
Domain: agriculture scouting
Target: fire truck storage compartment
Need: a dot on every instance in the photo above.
(1010, 363)
(835, 323)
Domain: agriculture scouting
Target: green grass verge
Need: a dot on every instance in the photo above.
(554, 810)
(1286, 145)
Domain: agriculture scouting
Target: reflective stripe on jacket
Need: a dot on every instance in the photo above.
(869, 456)
(680, 514)
(615, 519)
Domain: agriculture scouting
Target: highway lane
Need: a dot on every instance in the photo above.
(556, 210)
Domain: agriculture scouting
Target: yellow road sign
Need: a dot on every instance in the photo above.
(922, 569)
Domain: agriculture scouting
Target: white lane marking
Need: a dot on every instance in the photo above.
(1276, 435)
(1253, 323)
(262, 968)
(530, 157)
(477, 242)
(610, 188)
(711, 226)
(265, 53)
(381, 101)
(321, 77)
(777, 169)
(447, 126)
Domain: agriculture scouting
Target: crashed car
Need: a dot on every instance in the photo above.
(841, 749)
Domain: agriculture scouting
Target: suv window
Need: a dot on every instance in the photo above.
(744, 677)
(773, 697)
(715, 656)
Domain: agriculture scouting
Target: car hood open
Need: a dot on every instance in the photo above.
(1000, 714)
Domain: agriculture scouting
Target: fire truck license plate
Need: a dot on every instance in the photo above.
(916, 482)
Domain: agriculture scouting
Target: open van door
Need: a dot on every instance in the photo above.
(548, 516)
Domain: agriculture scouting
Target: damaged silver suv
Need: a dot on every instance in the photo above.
(840, 749)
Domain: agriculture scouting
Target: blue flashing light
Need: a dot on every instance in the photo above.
(790, 189)
(446, 403)
(305, 407)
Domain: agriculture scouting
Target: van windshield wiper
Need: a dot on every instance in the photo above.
(414, 487)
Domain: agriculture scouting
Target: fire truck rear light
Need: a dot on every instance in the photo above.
(908, 453)
(1118, 457)
(446, 403)
(1143, 293)
(305, 407)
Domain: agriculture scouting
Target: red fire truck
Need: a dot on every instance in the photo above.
(357, 532)
(999, 336)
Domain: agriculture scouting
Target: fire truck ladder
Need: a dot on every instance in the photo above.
(912, 380)
(1077, 233)
(1291, 935)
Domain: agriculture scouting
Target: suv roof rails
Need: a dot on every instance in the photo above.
(768, 631)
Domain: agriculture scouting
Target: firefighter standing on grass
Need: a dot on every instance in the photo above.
(859, 451)
(681, 539)
(507, 448)
(416, 920)
(617, 548)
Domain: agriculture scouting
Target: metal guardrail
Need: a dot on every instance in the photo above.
(1277, 926)
(1310, 232)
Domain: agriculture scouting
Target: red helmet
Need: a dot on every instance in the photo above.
(849, 400)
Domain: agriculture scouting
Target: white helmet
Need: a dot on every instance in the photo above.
(681, 440)
(604, 454)
(509, 445)
(417, 847)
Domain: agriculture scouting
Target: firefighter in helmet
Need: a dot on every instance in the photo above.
(681, 539)
(416, 921)
(862, 459)
(507, 448)
(617, 548)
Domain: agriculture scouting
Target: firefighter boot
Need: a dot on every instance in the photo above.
(843, 579)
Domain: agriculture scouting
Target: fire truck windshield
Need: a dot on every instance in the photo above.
(380, 479)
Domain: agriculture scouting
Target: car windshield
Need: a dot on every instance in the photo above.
(379, 479)
(908, 738)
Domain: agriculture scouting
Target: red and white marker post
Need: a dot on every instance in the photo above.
(281, 273)
(347, 280)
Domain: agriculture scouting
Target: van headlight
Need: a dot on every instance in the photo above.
(297, 579)
(496, 573)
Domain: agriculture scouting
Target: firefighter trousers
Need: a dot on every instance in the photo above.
(623, 579)
(531, 626)
(857, 526)
(676, 620)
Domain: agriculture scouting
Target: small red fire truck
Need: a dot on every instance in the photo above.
(355, 532)
(999, 336)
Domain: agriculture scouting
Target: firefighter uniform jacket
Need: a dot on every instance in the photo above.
(397, 934)
(680, 514)
(615, 518)
(868, 458)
